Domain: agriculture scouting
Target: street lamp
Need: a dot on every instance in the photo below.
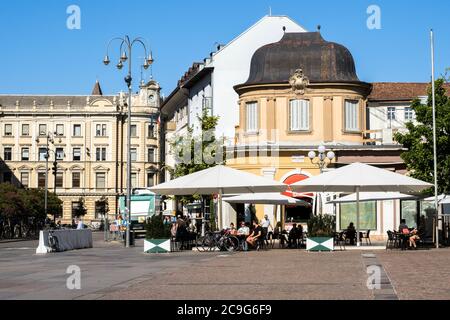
(125, 53)
(320, 158)
(49, 139)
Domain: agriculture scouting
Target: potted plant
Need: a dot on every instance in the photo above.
(321, 233)
(157, 237)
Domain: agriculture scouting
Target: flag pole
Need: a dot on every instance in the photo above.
(434, 139)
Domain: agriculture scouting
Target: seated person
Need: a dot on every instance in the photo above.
(293, 236)
(351, 233)
(232, 230)
(255, 235)
(299, 232)
(413, 238)
(403, 228)
(242, 233)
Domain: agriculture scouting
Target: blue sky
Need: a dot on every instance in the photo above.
(39, 55)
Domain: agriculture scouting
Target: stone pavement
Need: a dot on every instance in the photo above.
(110, 271)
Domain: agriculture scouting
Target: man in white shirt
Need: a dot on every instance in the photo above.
(242, 233)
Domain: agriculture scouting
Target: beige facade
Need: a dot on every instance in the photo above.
(87, 137)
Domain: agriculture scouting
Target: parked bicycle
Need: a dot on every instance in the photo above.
(53, 241)
(220, 240)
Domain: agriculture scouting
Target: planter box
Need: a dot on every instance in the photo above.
(320, 244)
(157, 245)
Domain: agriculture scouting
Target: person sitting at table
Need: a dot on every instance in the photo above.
(242, 233)
(403, 228)
(413, 238)
(293, 236)
(232, 230)
(255, 235)
(351, 233)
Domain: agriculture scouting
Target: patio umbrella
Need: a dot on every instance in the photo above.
(442, 199)
(374, 196)
(221, 180)
(359, 177)
(266, 198)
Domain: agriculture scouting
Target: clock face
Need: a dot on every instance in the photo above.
(152, 98)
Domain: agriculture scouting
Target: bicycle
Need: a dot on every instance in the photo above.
(221, 240)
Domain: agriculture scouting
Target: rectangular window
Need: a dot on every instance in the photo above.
(42, 129)
(150, 179)
(151, 155)
(367, 216)
(76, 179)
(409, 212)
(409, 114)
(252, 117)
(77, 130)
(100, 208)
(133, 130)
(133, 152)
(76, 154)
(151, 131)
(59, 180)
(75, 207)
(59, 129)
(41, 179)
(25, 154)
(100, 130)
(25, 129)
(42, 154)
(100, 180)
(59, 153)
(134, 180)
(351, 115)
(100, 154)
(7, 154)
(299, 115)
(8, 129)
(391, 113)
(25, 179)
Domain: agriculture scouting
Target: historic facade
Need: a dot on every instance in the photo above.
(86, 138)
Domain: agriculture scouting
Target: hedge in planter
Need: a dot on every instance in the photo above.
(321, 233)
(157, 237)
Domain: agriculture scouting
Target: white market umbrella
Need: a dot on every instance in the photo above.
(266, 198)
(359, 177)
(442, 199)
(221, 180)
(374, 196)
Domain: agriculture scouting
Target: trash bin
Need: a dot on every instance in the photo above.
(131, 238)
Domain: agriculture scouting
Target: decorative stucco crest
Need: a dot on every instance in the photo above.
(299, 82)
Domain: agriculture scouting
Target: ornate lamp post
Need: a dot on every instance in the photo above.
(126, 47)
(49, 139)
(321, 160)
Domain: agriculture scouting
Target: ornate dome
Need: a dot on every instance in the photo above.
(320, 61)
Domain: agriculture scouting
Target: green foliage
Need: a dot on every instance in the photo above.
(24, 203)
(321, 226)
(103, 206)
(212, 217)
(196, 153)
(81, 210)
(419, 140)
(155, 228)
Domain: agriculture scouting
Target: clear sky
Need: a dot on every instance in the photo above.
(40, 55)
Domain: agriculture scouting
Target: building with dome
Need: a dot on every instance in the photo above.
(303, 92)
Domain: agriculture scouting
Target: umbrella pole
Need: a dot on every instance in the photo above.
(357, 217)
(220, 218)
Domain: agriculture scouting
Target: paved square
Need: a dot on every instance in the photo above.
(110, 271)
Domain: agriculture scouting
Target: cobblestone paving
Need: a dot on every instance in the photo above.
(421, 274)
(109, 271)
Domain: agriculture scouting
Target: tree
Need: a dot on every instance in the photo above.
(419, 157)
(102, 206)
(11, 204)
(80, 210)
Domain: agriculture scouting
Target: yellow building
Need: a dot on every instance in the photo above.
(87, 139)
(303, 92)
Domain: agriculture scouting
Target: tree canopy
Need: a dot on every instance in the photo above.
(419, 157)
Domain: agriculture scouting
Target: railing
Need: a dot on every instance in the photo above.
(379, 136)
